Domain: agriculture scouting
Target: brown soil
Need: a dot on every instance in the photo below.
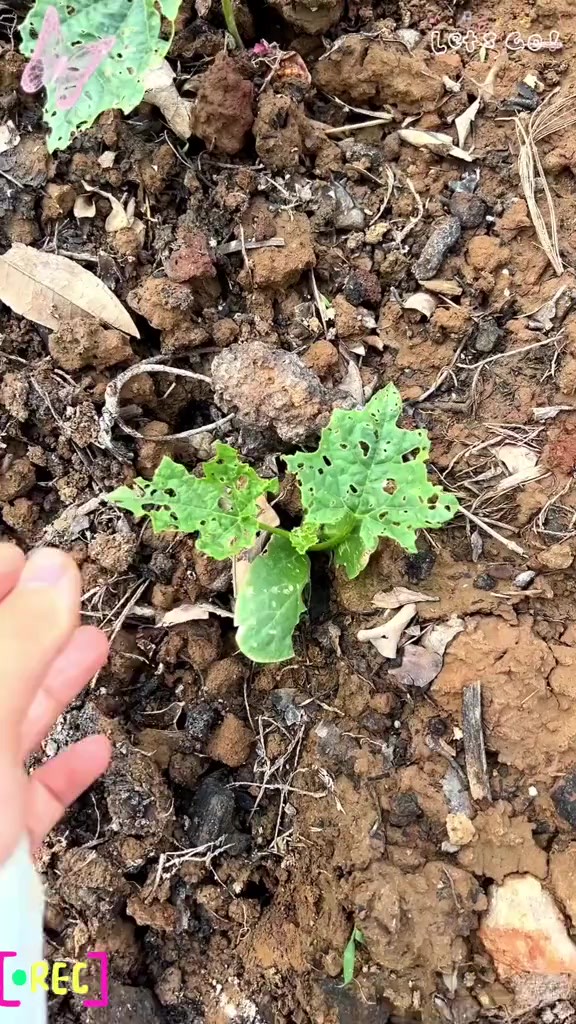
(254, 816)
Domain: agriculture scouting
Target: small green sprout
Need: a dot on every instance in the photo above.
(349, 955)
(366, 480)
(230, 19)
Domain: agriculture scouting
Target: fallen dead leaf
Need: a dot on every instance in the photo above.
(419, 667)
(438, 142)
(398, 597)
(442, 287)
(521, 463)
(48, 289)
(423, 302)
(441, 634)
(162, 93)
(465, 121)
(84, 207)
(190, 613)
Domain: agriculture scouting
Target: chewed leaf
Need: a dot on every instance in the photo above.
(368, 480)
(221, 506)
(269, 605)
(96, 74)
(304, 537)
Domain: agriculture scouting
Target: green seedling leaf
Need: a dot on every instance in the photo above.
(221, 506)
(349, 956)
(118, 79)
(270, 603)
(359, 485)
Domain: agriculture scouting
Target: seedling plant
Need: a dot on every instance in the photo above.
(366, 480)
(349, 956)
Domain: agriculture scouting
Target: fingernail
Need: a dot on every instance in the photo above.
(45, 568)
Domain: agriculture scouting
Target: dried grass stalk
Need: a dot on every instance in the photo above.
(548, 119)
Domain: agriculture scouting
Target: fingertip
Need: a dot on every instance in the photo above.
(96, 640)
(12, 562)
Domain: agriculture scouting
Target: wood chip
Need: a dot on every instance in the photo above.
(474, 751)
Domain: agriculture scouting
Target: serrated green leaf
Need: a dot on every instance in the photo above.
(269, 605)
(359, 485)
(118, 82)
(221, 505)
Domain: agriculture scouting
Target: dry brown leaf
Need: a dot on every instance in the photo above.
(423, 302)
(465, 121)
(84, 207)
(441, 634)
(162, 93)
(191, 613)
(441, 286)
(399, 596)
(438, 142)
(419, 667)
(517, 457)
(49, 289)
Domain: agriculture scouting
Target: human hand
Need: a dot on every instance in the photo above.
(46, 658)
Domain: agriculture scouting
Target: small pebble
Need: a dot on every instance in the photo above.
(564, 797)
(419, 566)
(444, 236)
(485, 582)
(470, 209)
(487, 336)
(524, 579)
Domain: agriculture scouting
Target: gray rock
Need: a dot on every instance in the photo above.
(443, 238)
(470, 209)
(487, 336)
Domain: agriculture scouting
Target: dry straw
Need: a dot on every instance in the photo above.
(548, 119)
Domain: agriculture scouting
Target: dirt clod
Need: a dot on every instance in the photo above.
(80, 343)
(231, 743)
(297, 405)
(223, 116)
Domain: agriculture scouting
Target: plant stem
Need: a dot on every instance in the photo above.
(274, 529)
(328, 545)
(230, 19)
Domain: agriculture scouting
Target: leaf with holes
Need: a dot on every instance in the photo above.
(269, 605)
(221, 506)
(91, 55)
(368, 480)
